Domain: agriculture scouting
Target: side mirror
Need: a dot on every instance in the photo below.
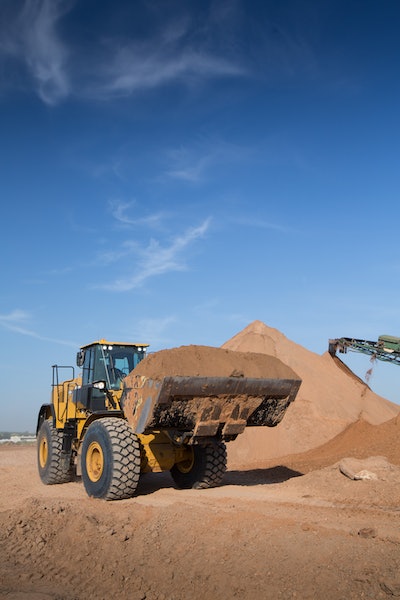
(80, 358)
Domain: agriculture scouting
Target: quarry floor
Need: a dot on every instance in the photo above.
(287, 529)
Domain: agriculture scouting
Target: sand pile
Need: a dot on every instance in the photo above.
(361, 440)
(331, 398)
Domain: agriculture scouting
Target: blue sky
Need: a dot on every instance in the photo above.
(172, 171)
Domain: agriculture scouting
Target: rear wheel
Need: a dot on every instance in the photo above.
(204, 468)
(54, 465)
(110, 459)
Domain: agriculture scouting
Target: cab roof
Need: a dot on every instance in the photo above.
(108, 343)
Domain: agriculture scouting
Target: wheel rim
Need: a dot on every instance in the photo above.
(94, 461)
(43, 452)
(186, 465)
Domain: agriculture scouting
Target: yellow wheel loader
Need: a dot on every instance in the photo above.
(111, 423)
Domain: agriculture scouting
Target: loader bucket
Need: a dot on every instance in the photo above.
(206, 406)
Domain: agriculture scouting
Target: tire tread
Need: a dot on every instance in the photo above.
(125, 460)
(59, 469)
(208, 469)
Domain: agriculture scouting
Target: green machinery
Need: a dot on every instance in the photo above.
(387, 348)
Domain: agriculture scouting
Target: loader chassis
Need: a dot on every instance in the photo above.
(109, 432)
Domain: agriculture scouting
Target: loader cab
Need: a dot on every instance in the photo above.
(107, 362)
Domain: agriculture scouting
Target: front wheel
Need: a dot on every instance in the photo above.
(204, 467)
(54, 465)
(110, 459)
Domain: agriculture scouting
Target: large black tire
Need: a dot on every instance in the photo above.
(54, 465)
(110, 459)
(204, 469)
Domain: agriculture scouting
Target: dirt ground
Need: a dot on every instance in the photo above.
(290, 528)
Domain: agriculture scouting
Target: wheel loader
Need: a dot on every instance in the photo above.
(110, 423)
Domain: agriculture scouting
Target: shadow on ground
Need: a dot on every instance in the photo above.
(277, 474)
(151, 482)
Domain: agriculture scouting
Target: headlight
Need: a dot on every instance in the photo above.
(99, 385)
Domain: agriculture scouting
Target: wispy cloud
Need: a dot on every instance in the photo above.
(195, 163)
(192, 171)
(32, 38)
(178, 43)
(181, 46)
(16, 321)
(260, 223)
(155, 259)
(113, 255)
(122, 213)
(14, 318)
(135, 68)
(174, 49)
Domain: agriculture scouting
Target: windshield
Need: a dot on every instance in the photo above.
(111, 363)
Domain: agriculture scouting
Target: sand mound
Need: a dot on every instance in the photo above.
(331, 397)
(362, 440)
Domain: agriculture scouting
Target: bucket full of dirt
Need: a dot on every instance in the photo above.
(204, 392)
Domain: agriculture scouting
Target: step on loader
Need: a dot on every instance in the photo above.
(123, 415)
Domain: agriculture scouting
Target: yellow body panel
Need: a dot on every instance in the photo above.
(159, 453)
(65, 408)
